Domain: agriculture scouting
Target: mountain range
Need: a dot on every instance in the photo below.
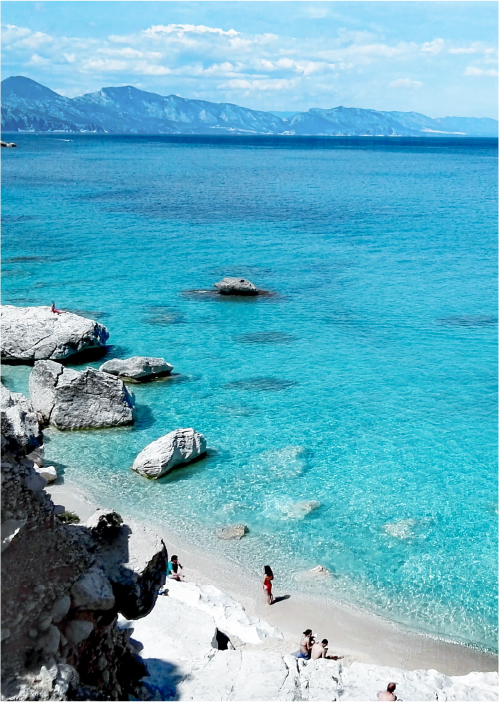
(28, 106)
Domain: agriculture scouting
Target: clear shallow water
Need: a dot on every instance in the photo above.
(367, 383)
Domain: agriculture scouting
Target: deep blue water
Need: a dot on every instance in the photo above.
(367, 382)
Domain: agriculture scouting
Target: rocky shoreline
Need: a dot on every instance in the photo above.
(81, 618)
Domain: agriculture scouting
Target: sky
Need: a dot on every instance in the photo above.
(438, 58)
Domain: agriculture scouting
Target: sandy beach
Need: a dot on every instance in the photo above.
(355, 634)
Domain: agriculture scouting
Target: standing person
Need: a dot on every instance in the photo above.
(268, 576)
(172, 571)
(388, 693)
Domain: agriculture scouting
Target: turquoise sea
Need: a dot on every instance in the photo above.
(367, 381)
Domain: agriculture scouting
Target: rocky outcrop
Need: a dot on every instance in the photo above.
(60, 594)
(20, 426)
(70, 399)
(179, 645)
(8, 144)
(138, 368)
(163, 455)
(35, 333)
(134, 560)
(48, 473)
(236, 286)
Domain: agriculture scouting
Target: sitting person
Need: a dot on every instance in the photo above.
(319, 650)
(172, 571)
(53, 309)
(387, 695)
(306, 642)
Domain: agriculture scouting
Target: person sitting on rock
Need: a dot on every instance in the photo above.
(306, 642)
(172, 571)
(53, 309)
(319, 650)
(388, 693)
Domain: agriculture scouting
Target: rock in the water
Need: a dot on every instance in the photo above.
(138, 368)
(176, 448)
(8, 144)
(236, 286)
(47, 472)
(35, 333)
(233, 531)
(70, 399)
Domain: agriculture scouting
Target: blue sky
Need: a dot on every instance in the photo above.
(438, 58)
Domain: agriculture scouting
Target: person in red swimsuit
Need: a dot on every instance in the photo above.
(53, 309)
(268, 576)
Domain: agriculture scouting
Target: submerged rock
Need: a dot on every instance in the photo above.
(70, 399)
(137, 368)
(236, 286)
(176, 448)
(36, 333)
(233, 531)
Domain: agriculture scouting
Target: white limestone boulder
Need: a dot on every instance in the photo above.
(70, 399)
(174, 449)
(138, 368)
(93, 591)
(232, 532)
(236, 286)
(49, 473)
(20, 425)
(35, 333)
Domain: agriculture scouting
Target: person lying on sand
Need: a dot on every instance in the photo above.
(172, 571)
(387, 695)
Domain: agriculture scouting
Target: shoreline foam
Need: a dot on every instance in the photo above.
(358, 635)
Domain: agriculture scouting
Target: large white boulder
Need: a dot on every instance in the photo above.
(236, 286)
(34, 333)
(20, 425)
(70, 399)
(137, 367)
(176, 448)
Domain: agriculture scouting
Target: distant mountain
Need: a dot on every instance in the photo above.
(28, 106)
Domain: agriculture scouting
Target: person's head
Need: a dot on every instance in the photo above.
(391, 687)
(268, 571)
(307, 632)
(174, 559)
(324, 642)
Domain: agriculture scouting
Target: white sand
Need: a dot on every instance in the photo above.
(355, 634)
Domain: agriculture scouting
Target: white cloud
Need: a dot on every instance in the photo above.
(34, 41)
(463, 50)
(38, 61)
(70, 58)
(316, 12)
(405, 83)
(126, 53)
(474, 71)
(150, 69)
(104, 65)
(266, 84)
(433, 47)
(159, 30)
